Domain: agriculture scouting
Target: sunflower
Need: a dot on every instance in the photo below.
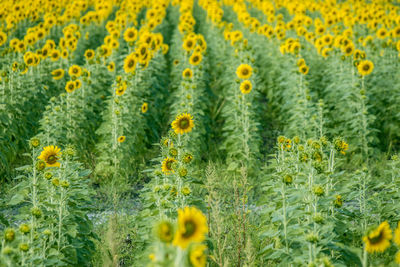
(397, 235)
(78, 84)
(166, 165)
(55, 55)
(89, 54)
(130, 35)
(70, 86)
(348, 49)
(197, 256)
(192, 227)
(120, 90)
(50, 155)
(365, 67)
(304, 69)
(57, 74)
(3, 38)
(75, 71)
(121, 139)
(378, 240)
(195, 59)
(189, 44)
(245, 87)
(244, 71)
(111, 67)
(301, 62)
(187, 73)
(165, 231)
(145, 107)
(183, 123)
(129, 63)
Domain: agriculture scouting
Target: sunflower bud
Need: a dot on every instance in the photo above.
(318, 190)
(183, 172)
(64, 184)
(9, 234)
(7, 250)
(34, 142)
(36, 211)
(24, 228)
(55, 181)
(164, 231)
(23, 247)
(40, 165)
(48, 175)
(186, 191)
(312, 238)
(173, 152)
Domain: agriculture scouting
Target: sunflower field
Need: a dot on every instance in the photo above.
(194, 133)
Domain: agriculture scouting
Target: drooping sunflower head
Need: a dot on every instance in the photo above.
(145, 107)
(365, 67)
(245, 87)
(378, 240)
(57, 74)
(192, 227)
(187, 73)
(244, 71)
(167, 165)
(50, 155)
(78, 84)
(164, 231)
(197, 255)
(183, 123)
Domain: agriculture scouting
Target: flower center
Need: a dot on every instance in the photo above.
(376, 239)
(51, 159)
(184, 123)
(190, 228)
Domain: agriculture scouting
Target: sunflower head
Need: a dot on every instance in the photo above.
(145, 107)
(304, 69)
(365, 67)
(167, 165)
(70, 86)
(164, 231)
(57, 74)
(197, 257)
(50, 155)
(121, 139)
(244, 71)
(187, 73)
(195, 59)
(378, 239)
(75, 71)
(245, 87)
(89, 54)
(192, 227)
(183, 123)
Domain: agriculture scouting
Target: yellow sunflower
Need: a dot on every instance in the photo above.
(195, 59)
(183, 123)
(89, 54)
(187, 73)
(70, 86)
(166, 165)
(245, 87)
(120, 90)
(244, 71)
(111, 67)
(378, 240)
(121, 139)
(397, 257)
(145, 107)
(75, 71)
(129, 63)
(57, 74)
(365, 67)
(397, 235)
(130, 35)
(197, 256)
(50, 155)
(165, 231)
(192, 227)
(304, 69)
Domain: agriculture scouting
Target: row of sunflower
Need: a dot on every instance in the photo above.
(53, 196)
(355, 185)
(173, 187)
